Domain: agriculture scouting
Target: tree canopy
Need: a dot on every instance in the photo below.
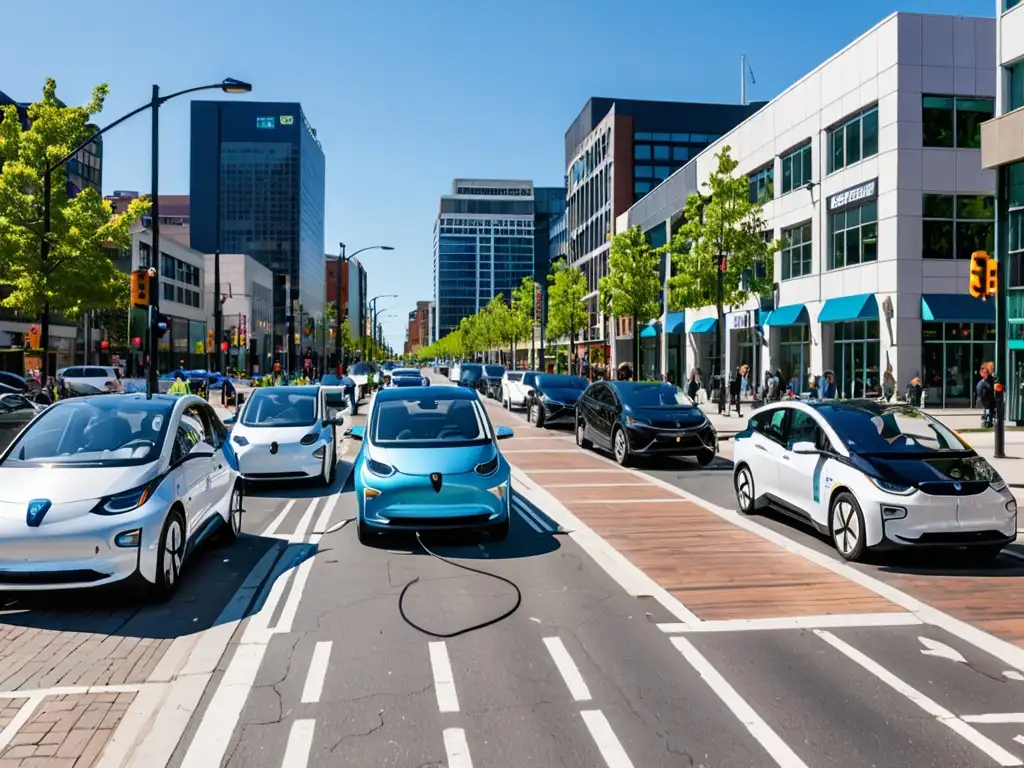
(632, 288)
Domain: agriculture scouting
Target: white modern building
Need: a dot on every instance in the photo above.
(870, 168)
(247, 291)
(483, 246)
(1002, 149)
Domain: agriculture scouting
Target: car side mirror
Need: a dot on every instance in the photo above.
(804, 448)
(201, 451)
(504, 433)
(229, 421)
(356, 432)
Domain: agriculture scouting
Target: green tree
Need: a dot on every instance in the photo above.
(567, 314)
(502, 322)
(522, 314)
(722, 242)
(78, 276)
(632, 288)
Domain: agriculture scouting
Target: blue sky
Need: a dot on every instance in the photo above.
(408, 94)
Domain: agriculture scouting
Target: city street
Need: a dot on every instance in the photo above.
(656, 628)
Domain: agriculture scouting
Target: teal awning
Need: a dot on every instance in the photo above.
(650, 331)
(956, 308)
(863, 306)
(704, 325)
(763, 316)
(675, 322)
(791, 314)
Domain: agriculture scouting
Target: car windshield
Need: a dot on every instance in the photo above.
(495, 371)
(330, 380)
(875, 429)
(561, 381)
(114, 431)
(361, 369)
(420, 422)
(470, 371)
(652, 395)
(283, 407)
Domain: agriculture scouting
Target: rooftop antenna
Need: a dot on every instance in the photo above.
(744, 69)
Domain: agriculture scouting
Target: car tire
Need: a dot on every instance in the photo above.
(170, 557)
(581, 431)
(846, 527)
(500, 531)
(232, 528)
(537, 415)
(620, 447)
(746, 494)
(705, 457)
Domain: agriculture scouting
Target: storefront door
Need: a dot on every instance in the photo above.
(856, 358)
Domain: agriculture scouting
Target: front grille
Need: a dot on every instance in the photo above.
(51, 577)
(948, 487)
(441, 522)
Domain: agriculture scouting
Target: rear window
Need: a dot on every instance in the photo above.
(495, 371)
(513, 376)
(96, 373)
(561, 381)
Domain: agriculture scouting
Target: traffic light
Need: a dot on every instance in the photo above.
(209, 339)
(978, 286)
(140, 288)
(992, 282)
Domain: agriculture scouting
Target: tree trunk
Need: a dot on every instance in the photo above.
(636, 349)
(44, 343)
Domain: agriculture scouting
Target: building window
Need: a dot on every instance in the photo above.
(1008, 4)
(955, 226)
(853, 236)
(953, 354)
(681, 154)
(854, 140)
(641, 187)
(1016, 73)
(642, 152)
(762, 185)
(856, 355)
(1015, 253)
(954, 122)
(796, 169)
(796, 255)
(643, 171)
(661, 153)
(794, 356)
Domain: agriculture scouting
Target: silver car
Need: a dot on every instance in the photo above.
(101, 489)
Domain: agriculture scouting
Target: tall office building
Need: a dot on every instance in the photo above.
(257, 187)
(616, 151)
(548, 211)
(483, 246)
(1003, 150)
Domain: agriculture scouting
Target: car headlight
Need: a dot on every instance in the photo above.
(379, 468)
(637, 422)
(239, 440)
(120, 503)
(894, 488)
(487, 467)
(309, 439)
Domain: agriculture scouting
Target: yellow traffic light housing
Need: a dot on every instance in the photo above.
(992, 277)
(978, 285)
(140, 288)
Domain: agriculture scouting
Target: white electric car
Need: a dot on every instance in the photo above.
(286, 433)
(100, 489)
(516, 387)
(873, 475)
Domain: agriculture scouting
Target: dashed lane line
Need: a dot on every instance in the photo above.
(317, 672)
(607, 742)
(457, 748)
(539, 524)
(300, 743)
(567, 668)
(444, 681)
(829, 621)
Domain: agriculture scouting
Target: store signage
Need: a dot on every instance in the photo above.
(741, 320)
(265, 123)
(287, 120)
(853, 196)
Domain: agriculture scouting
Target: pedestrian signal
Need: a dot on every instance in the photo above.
(140, 288)
(978, 285)
(33, 340)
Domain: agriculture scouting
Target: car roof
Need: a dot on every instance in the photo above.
(310, 390)
(439, 392)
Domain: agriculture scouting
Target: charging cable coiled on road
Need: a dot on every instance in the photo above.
(465, 630)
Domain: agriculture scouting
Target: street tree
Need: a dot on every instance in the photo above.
(522, 314)
(567, 314)
(721, 255)
(78, 275)
(632, 288)
(501, 321)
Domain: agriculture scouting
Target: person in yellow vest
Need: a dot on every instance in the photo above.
(277, 379)
(179, 387)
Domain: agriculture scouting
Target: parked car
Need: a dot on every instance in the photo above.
(871, 476)
(102, 377)
(99, 490)
(553, 399)
(632, 418)
(470, 375)
(516, 387)
(16, 411)
(490, 381)
(429, 460)
(14, 381)
(360, 374)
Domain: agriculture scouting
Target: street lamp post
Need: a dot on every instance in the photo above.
(372, 303)
(228, 85)
(342, 262)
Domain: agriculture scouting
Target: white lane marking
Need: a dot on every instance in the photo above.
(444, 681)
(1019, 739)
(936, 710)
(73, 690)
(665, 500)
(457, 748)
(303, 526)
(607, 742)
(613, 562)
(943, 651)
(829, 621)
(317, 672)
(758, 728)
(523, 508)
(997, 718)
(291, 605)
(596, 485)
(22, 717)
(528, 519)
(1013, 674)
(300, 742)
(567, 668)
(271, 529)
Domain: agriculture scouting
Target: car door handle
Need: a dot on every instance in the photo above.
(761, 448)
(785, 457)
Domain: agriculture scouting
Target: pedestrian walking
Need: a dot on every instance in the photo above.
(985, 391)
(736, 390)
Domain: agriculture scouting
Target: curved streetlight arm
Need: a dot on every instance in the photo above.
(369, 248)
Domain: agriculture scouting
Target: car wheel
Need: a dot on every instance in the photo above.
(705, 457)
(537, 415)
(620, 445)
(232, 528)
(499, 532)
(581, 431)
(746, 496)
(846, 523)
(170, 557)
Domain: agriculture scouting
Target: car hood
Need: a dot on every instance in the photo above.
(268, 435)
(567, 396)
(669, 416)
(426, 461)
(62, 485)
(936, 474)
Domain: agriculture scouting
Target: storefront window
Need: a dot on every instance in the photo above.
(953, 354)
(853, 236)
(794, 356)
(856, 358)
